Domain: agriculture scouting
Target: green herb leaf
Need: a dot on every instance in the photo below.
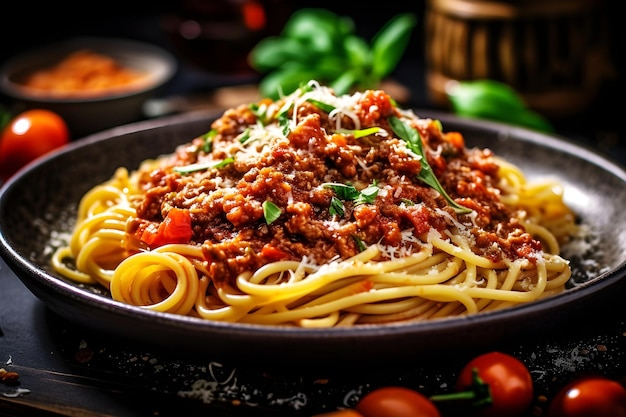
(243, 138)
(283, 122)
(271, 211)
(343, 191)
(317, 44)
(367, 195)
(493, 100)
(389, 44)
(321, 105)
(350, 193)
(272, 52)
(359, 243)
(318, 30)
(207, 145)
(204, 166)
(360, 132)
(426, 174)
(285, 79)
(336, 207)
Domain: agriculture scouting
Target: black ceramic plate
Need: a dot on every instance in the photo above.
(39, 203)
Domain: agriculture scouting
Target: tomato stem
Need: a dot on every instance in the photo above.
(478, 393)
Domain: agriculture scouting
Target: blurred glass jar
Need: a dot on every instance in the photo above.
(217, 35)
(554, 53)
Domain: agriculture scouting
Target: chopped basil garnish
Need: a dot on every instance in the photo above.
(244, 137)
(359, 243)
(336, 207)
(283, 122)
(271, 211)
(367, 195)
(203, 166)
(350, 193)
(343, 191)
(259, 111)
(323, 106)
(207, 146)
(426, 174)
(364, 132)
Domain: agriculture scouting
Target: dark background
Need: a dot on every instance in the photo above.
(25, 26)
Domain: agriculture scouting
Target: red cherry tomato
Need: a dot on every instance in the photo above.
(589, 397)
(509, 380)
(29, 135)
(396, 402)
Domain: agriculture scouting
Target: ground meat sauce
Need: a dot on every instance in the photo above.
(290, 169)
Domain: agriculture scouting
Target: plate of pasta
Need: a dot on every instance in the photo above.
(317, 226)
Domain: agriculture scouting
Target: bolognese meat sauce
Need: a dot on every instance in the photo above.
(301, 154)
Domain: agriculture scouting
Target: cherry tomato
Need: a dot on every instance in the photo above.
(396, 402)
(589, 397)
(29, 135)
(509, 380)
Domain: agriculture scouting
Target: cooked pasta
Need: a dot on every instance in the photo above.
(317, 210)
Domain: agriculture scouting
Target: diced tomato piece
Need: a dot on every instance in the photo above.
(175, 228)
(273, 254)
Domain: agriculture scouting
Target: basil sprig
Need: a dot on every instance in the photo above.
(426, 174)
(317, 44)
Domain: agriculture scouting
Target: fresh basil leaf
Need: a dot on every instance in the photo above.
(203, 166)
(273, 52)
(360, 132)
(271, 211)
(359, 243)
(336, 207)
(426, 174)
(342, 84)
(357, 51)
(390, 43)
(243, 138)
(207, 145)
(319, 30)
(494, 100)
(343, 191)
(321, 105)
(283, 122)
(367, 195)
(285, 80)
(350, 193)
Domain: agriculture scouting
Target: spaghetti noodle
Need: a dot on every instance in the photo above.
(318, 210)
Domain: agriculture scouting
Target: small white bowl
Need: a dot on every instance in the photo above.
(89, 113)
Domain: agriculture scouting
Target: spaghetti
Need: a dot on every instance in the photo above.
(317, 210)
